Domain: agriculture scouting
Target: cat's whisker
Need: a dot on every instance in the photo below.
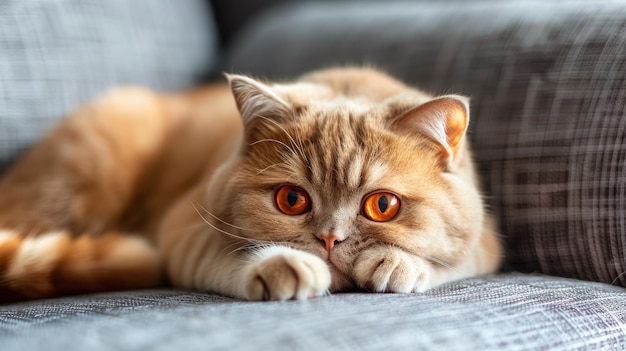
(248, 243)
(255, 251)
(223, 231)
(288, 179)
(188, 228)
(285, 158)
(219, 219)
(268, 167)
(618, 277)
(239, 247)
(293, 142)
(273, 141)
(446, 265)
(301, 147)
(255, 246)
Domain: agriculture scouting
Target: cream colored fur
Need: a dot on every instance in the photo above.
(188, 182)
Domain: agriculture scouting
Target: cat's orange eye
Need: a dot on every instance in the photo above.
(381, 207)
(292, 200)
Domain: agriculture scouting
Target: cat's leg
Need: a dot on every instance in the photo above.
(390, 269)
(204, 261)
(266, 273)
(204, 254)
(57, 263)
(59, 204)
(281, 273)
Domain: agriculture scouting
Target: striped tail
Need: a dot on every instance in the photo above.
(56, 263)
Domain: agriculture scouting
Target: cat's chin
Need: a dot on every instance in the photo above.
(339, 280)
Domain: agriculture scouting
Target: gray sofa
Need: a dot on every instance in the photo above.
(548, 88)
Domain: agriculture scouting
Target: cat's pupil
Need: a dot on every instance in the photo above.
(292, 197)
(383, 204)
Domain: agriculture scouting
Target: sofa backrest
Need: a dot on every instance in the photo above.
(57, 54)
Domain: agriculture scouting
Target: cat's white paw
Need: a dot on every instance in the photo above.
(389, 269)
(281, 273)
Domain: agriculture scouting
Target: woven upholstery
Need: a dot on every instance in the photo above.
(57, 54)
(506, 312)
(547, 85)
(547, 98)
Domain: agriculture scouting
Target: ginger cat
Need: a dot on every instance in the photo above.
(344, 179)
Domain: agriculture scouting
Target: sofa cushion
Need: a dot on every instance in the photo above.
(502, 312)
(57, 54)
(547, 85)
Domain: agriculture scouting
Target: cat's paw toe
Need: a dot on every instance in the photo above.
(391, 270)
(283, 274)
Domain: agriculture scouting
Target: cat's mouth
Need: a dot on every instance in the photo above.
(339, 279)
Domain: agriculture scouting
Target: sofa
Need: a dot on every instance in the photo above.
(548, 86)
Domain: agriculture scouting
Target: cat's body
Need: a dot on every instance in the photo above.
(345, 179)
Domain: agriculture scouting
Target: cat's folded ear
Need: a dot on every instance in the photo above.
(260, 108)
(444, 120)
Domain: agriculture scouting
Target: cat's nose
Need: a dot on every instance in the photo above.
(330, 240)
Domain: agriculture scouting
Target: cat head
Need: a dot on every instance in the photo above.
(334, 175)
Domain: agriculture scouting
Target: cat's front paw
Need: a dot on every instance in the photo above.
(281, 273)
(389, 269)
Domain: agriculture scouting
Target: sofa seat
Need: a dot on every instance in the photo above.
(546, 80)
(501, 312)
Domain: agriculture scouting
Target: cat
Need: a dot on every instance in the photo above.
(343, 179)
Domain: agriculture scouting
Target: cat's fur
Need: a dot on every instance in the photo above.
(139, 189)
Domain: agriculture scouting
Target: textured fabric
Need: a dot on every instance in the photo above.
(506, 312)
(512, 59)
(57, 54)
(547, 85)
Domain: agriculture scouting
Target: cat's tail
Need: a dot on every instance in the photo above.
(56, 263)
